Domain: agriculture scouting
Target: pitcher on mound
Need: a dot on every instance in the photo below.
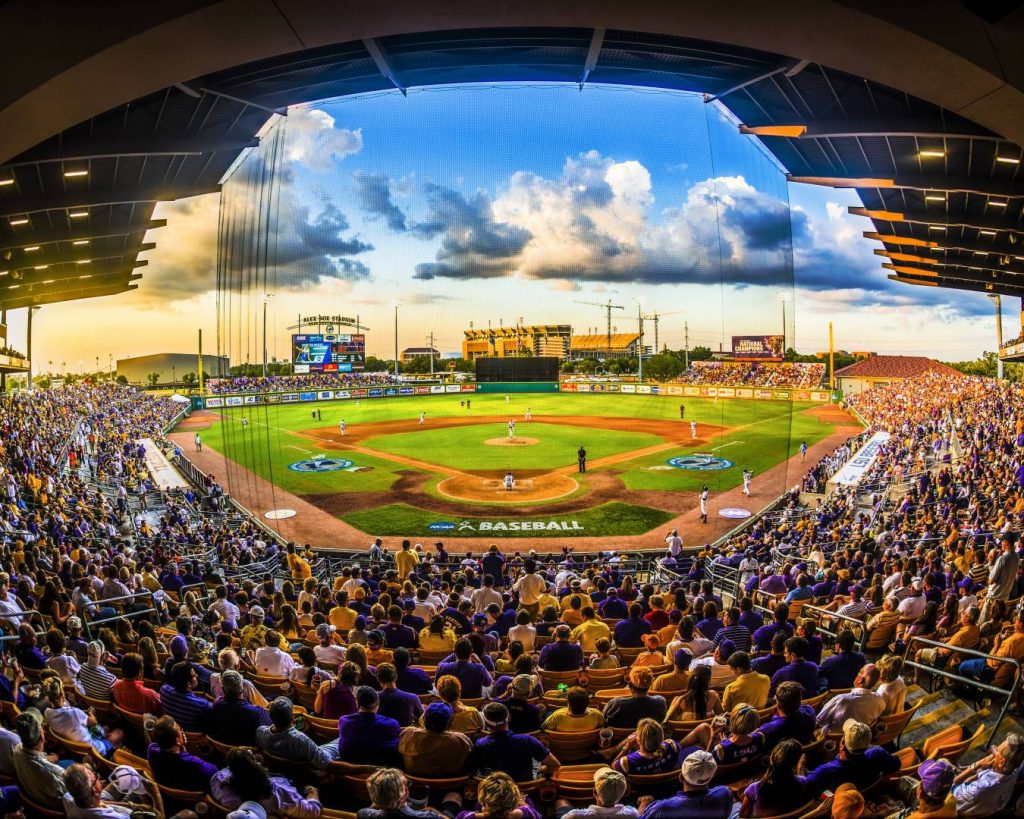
(511, 429)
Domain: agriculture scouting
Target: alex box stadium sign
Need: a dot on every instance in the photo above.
(510, 526)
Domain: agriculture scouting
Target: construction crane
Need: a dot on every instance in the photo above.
(609, 307)
(654, 317)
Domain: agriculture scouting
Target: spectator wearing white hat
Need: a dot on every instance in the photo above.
(609, 788)
(696, 799)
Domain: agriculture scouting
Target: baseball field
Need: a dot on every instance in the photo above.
(390, 474)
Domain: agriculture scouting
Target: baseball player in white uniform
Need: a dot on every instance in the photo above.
(423, 417)
(511, 428)
(693, 429)
(747, 475)
(704, 505)
(509, 481)
(527, 413)
(341, 426)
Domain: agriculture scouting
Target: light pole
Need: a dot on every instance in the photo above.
(998, 302)
(396, 340)
(640, 341)
(266, 298)
(783, 297)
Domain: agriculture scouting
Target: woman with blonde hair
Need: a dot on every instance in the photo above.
(151, 665)
(228, 660)
(891, 686)
(648, 751)
(465, 719)
(500, 798)
(741, 743)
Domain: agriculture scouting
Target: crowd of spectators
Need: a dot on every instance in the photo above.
(10, 351)
(276, 696)
(288, 383)
(754, 374)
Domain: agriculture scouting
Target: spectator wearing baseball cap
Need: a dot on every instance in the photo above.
(524, 716)
(625, 712)
(676, 680)
(515, 754)
(577, 715)
(721, 672)
(858, 763)
(434, 750)
(76, 644)
(934, 791)
(652, 655)
(696, 799)
(327, 649)
(609, 788)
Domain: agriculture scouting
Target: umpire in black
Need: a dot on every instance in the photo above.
(581, 458)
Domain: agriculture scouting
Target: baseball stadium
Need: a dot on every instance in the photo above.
(444, 410)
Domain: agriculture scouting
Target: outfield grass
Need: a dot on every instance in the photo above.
(464, 448)
(614, 518)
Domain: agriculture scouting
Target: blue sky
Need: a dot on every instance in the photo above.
(486, 203)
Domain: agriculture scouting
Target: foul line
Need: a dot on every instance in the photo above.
(723, 446)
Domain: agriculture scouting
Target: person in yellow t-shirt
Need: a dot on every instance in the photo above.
(341, 616)
(406, 559)
(749, 687)
(590, 630)
(576, 716)
(296, 565)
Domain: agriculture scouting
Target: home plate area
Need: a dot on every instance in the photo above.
(491, 487)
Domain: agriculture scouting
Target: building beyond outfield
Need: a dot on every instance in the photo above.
(170, 367)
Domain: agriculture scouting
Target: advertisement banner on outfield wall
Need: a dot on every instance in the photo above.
(406, 390)
(307, 396)
(780, 395)
(453, 388)
(691, 390)
(374, 392)
(342, 394)
(802, 395)
(598, 387)
(301, 369)
(214, 403)
(582, 388)
(422, 390)
(233, 401)
(614, 387)
(644, 389)
(565, 386)
(744, 392)
(359, 393)
(436, 389)
(288, 397)
(763, 395)
(469, 388)
(390, 391)
(630, 388)
(726, 392)
(325, 395)
(672, 390)
(273, 398)
(820, 396)
(855, 468)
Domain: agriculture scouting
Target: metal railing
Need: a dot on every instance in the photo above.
(858, 627)
(969, 681)
(725, 579)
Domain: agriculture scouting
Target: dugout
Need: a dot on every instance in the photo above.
(527, 369)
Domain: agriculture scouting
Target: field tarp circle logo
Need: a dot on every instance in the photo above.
(703, 463)
(441, 526)
(320, 465)
(734, 513)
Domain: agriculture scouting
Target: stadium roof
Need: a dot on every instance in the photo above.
(600, 341)
(894, 366)
(922, 112)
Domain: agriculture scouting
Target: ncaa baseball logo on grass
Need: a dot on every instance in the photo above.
(703, 463)
(511, 526)
(321, 465)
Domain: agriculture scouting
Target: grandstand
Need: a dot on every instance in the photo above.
(853, 649)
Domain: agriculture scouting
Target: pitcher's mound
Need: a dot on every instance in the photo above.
(517, 441)
(540, 487)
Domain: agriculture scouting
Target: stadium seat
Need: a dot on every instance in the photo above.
(433, 658)
(601, 678)
(36, 809)
(576, 782)
(572, 746)
(890, 728)
(947, 736)
(552, 679)
(954, 750)
(323, 730)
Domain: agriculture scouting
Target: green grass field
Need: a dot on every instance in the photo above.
(757, 435)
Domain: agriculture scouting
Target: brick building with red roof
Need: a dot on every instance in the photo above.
(881, 370)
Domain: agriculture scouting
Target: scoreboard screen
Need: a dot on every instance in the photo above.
(328, 353)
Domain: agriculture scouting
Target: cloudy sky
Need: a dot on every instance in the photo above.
(487, 204)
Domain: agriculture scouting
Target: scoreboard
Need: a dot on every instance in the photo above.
(328, 353)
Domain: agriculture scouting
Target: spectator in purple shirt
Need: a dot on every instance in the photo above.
(748, 617)
(365, 737)
(774, 584)
(771, 663)
(841, 669)
(792, 718)
(467, 669)
(401, 706)
(613, 607)
(561, 655)
(629, 633)
(797, 668)
(711, 624)
(411, 680)
(171, 764)
(763, 636)
(396, 634)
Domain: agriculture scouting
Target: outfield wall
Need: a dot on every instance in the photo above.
(678, 391)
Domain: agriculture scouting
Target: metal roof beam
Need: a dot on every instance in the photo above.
(793, 65)
(981, 187)
(215, 92)
(73, 255)
(380, 59)
(53, 296)
(143, 146)
(69, 200)
(926, 218)
(34, 277)
(960, 275)
(941, 266)
(57, 235)
(593, 52)
(883, 127)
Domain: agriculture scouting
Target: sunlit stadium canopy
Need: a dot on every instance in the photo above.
(944, 190)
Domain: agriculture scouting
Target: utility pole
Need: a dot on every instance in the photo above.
(998, 302)
(640, 343)
(202, 389)
(431, 352)
(686, 342)
(396, 341)
(783, 328)
(608, 308)
(831, 359)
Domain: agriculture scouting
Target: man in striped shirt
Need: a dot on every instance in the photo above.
(177, 700)
(856, 607)
(93, 677)
(734, 630)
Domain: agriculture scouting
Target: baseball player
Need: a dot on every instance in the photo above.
(704, 504)
(693, 429)
(506, 399)
(199, 443)
(511, 428)
(747, 475)
(527, 413)
(423, 417)
(341, 426)
(245, 422)
(509, 481)
(803, 451)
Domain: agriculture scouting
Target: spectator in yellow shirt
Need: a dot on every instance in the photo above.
(406, 560)
(577, 715)
(651, 655)
(675, 681)
(590, 630)
(749, 687)
(296, 565)
(341, 616)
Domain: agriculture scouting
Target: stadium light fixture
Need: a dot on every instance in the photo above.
(4, 272)
(78, 214)
(30, 248)
(73, 174)
(934, 197)
(931, 153)
(86, 276)
(79, 242)
(1008, 160)
(5, 182)
(40, 267)
(83, 261)
(998, 204)
(987, 232)
(47, 281)
(22, 221)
